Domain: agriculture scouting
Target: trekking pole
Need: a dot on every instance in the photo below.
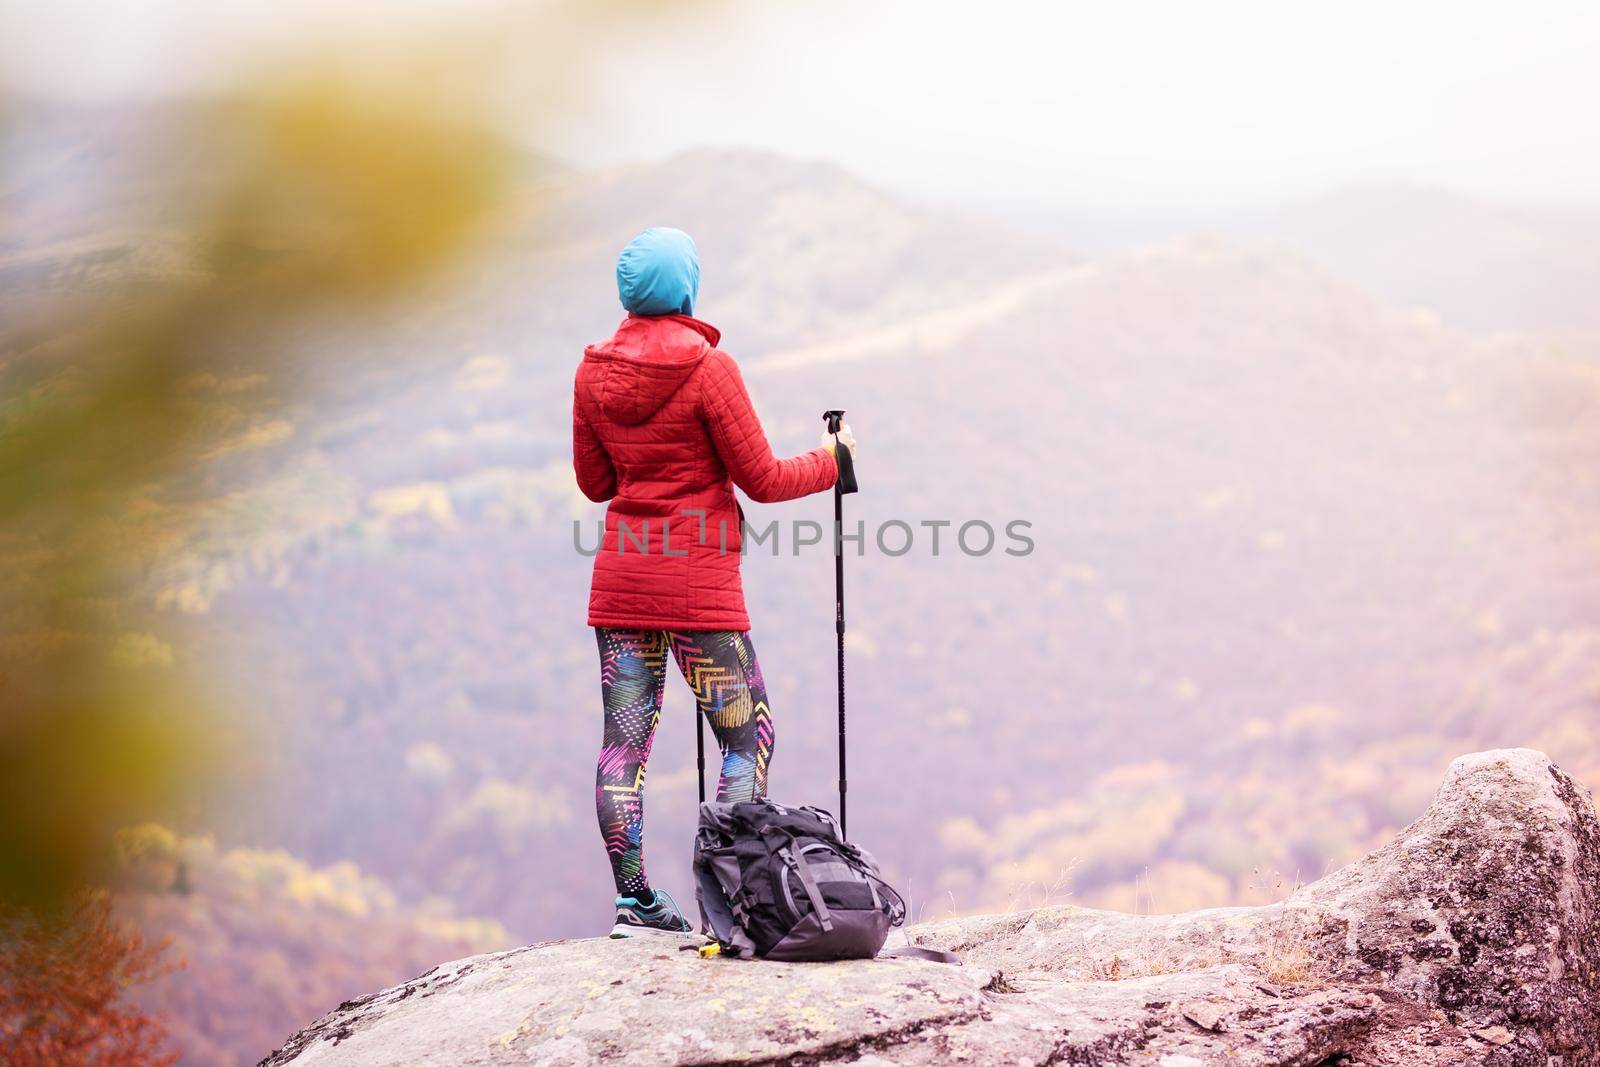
(700, 751)
(846, 483)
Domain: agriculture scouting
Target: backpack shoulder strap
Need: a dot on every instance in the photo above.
(917, 952)
(819, 907)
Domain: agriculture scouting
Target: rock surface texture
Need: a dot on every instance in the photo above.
(1472, 938)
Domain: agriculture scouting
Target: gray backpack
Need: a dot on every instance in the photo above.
(780, 883)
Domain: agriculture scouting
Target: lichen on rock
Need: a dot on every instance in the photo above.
(1471, 938)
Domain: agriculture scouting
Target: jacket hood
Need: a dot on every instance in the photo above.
(640, 366)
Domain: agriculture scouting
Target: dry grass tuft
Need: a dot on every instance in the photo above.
(1287, 958)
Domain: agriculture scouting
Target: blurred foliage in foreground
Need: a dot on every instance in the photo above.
(61, 984)
(318, 200)
(315, 201)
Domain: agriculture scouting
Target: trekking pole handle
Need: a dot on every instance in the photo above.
(847, 462)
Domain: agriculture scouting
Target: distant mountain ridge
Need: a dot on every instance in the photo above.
(1480, 265)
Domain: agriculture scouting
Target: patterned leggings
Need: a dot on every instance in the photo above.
(720, 667)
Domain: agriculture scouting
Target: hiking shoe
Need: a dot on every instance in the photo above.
(661, 917)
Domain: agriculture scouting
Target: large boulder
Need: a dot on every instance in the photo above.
(1472, 938)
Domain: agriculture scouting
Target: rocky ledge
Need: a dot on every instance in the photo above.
(1472, 938)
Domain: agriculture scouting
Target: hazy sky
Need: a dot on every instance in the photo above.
(1080, 104)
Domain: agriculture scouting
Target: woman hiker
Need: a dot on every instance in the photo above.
(663, 428)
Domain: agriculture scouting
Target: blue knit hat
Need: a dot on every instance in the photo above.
(659, 273)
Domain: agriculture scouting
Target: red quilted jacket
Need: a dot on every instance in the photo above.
(663, 428)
